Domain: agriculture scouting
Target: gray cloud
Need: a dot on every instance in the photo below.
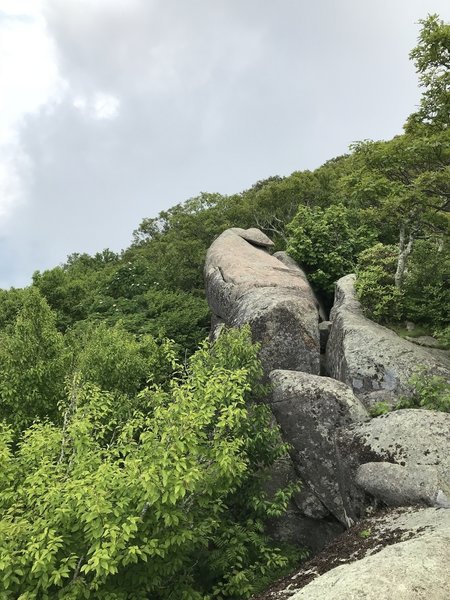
(212, 96)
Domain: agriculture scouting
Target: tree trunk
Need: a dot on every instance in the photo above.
(404, 250)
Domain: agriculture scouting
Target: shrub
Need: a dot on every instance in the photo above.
(430, 391)
(163, 502)
(375, 287)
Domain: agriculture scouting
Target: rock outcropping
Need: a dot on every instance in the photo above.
(400, 459)
(401, 555)
(349, 464)
(373, 360)
(310, 410)
(245, 284)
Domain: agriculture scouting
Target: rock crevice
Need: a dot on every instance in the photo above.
(348, 464)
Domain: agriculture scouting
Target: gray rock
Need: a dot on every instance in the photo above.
(307, 523)
(424, 340)
(299, 530)
(309, 409)
(414, 568)
(400, 486)
(254, 236)
(289, 262)
(245, 284)
(416, 439)
(371, 399)
(324, 333)
(282, 474)
(217, 325)
(369, 357)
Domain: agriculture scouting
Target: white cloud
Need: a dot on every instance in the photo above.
(100, 106)
(29, 79)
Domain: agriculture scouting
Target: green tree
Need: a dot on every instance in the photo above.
(411, 177)
(33, 364)
(327, 242)
(116, 360)
(375, 284)
(165, 503)
(432, 59)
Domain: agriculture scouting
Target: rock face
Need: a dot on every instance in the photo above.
(395, 485)
(307, 523)
(289, 262)
(245, 284)
(309, 410)
(371, 358)
(400, 458)
(416, 567)
(347, 463)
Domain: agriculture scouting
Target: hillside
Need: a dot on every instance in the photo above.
(138, 459)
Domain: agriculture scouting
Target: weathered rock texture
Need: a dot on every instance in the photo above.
(309, 410)
(408, 456)
(371, 358)
(307, 523)
(245, 284)
(347, 463)
(289, 262)
(416, 567)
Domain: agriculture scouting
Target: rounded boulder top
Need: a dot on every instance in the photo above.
(254, 236)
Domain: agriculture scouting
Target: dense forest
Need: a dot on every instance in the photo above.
(131, 464)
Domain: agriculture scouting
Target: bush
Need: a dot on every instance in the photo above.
(427, 284)
(430, 391)
(163, 502)
(375, 287)
(327, 242)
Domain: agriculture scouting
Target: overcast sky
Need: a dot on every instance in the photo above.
(112, 110)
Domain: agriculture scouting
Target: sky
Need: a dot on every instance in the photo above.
(112, 110)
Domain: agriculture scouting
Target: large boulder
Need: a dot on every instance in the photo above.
(401, 458)
(245, 284)
(289, 262)
(307, 523)
(370, 358)
(414, 566)
(309, 410)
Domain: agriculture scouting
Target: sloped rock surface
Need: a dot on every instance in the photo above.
(307, 523)
(254, 236)
(400, 554)
(245, 284)
(309, 410)
(395, 485)
(369, 357)
(416, 443)
(416, 568)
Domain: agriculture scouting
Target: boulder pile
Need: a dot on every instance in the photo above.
(325, 375)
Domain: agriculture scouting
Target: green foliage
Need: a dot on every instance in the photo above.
(116, 360)
(375, 287)
(33, 364)
(425, 294)
(365, 533)
(426, 287)
(72, 289)
(379, 408)
(443, 335)
(430, 391)
(163, 313)
(432, 60)
(163, 502)
(407, 180)
(11, 302)
(326, 242)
